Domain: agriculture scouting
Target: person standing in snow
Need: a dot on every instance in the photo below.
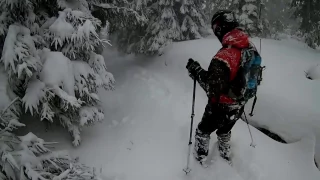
(222, 111)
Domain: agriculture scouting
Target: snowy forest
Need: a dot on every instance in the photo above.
(53, 68)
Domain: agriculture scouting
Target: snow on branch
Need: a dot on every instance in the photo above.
(97, 63)
(73, 128)
(61, 29)
(84, 75)
(89, 115)
(74, 32)
(57, 71)
(30, 157)
(11, 3)
(19, 54)
(126, 11)
(35, 94)
(4, 20)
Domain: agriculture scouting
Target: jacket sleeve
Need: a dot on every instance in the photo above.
(216, 79)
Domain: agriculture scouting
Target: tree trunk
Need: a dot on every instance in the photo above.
(309, 15)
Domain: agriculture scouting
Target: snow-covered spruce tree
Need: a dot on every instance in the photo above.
(129, 23)
(250, 14)
(191, 19)
(163, 27)
(120, 13)
(29, 157)
(264, 23)
(209, 9)
(278, 16)
(168, 21)
(49, 56)
(308, 11)
(213, 6)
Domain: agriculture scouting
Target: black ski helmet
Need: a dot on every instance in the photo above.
(223, 21)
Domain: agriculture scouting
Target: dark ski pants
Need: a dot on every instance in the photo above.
(220, 117)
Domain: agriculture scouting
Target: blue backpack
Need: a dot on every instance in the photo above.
(249, 76)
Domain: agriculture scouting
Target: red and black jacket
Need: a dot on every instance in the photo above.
(224, 67)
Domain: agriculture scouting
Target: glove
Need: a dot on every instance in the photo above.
(193, 67)
(190, 62)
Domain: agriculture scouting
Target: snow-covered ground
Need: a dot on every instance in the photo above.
(145, 133)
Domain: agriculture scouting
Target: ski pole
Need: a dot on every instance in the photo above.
(259, 82)
(260, 10)
(253, 105)
(252, 142)
(187, 169)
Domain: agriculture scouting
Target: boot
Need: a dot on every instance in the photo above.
(224, 146)
(201, 146)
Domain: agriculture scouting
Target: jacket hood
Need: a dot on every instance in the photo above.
(236, 38)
